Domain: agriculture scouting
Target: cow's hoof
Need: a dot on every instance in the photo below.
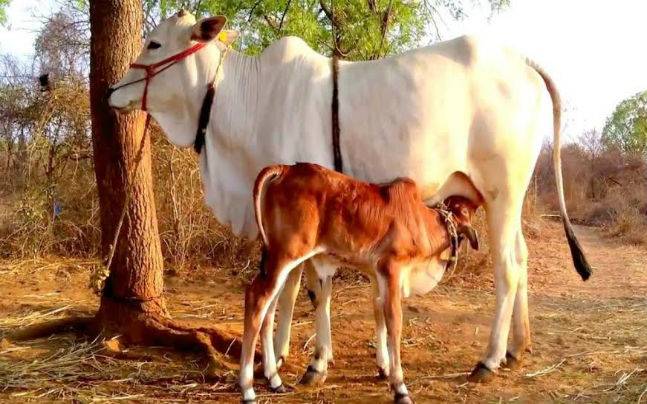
(402, 399)
(511, 362)
(382, 374)
(248, 401)
(312, 377)
(480, 374)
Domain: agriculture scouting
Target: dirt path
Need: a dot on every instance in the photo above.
(589, 339)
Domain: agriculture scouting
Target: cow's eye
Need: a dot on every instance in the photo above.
(154, 45)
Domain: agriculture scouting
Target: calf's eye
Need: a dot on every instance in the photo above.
(154, 45)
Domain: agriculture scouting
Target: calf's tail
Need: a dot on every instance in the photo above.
(579, 260)
(266, 175)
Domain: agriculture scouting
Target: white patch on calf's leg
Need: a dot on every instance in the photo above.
(248, 394)
(267, 343)
(246, 378)
(401, 389)
(275, 381)
(323, 340)
(391, 290)
(381, 349)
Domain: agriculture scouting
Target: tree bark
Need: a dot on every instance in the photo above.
(136, 272)
(132, 302)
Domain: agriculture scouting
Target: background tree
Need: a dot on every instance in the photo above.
(3, 6)
(352, 29)
(132, 303)
(626, 128)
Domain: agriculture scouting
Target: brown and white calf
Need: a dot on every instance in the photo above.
(306, 211)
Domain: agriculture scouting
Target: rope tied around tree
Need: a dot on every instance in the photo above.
(102, 271)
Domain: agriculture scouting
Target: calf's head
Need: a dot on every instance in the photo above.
(463, 209)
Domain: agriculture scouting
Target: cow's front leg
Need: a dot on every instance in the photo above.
(503, 224)
(318, 369)
(390, 291)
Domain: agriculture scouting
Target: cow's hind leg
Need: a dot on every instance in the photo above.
(521, 342)
(504, 224)
(286, 302)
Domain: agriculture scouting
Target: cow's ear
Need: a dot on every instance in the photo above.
(208, 29)
(228, 36)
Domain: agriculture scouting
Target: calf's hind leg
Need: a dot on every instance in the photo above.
(270, 369)
(258, 298)
(286, 301)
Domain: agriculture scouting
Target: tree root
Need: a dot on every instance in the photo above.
(145, 323)
(75, 323)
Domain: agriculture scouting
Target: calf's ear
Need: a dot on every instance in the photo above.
(207, 29)
(471, 234)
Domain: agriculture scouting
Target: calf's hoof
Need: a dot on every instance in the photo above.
(402, 399)
(312, 377)
(280, 389)
(480, 374)
(248, 401)
(511, 362)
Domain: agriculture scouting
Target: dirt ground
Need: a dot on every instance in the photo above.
(589, 339)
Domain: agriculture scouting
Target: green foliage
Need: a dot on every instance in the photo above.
(353, 29)
(3, 14)
(626, 128)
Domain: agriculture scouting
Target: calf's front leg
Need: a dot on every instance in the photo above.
(381, 349)
(389, 284)
(286, 301)
(317, 371)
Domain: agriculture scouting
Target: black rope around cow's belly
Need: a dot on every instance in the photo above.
(339, 164)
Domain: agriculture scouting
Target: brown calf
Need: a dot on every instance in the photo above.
(306, 210)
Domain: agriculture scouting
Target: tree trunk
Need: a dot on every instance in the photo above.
(132, 302)
(135, 282)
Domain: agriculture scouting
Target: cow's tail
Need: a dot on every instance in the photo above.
(263, 178)
(579, 260)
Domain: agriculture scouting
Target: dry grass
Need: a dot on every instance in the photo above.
(603, 188)
(589, 338)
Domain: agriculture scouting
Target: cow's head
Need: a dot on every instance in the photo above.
(178, 89)
(463, 209)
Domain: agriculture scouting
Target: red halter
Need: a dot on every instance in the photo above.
(153, 70)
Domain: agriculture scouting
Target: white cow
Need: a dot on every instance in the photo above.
(467, 105)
